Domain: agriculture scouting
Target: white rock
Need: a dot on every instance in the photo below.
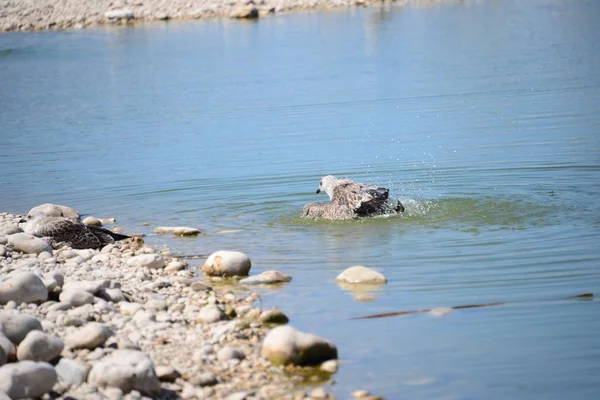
(76, 297)
(359, 274)
(127, 370)
(24, 287)
(89, 286)
(330, 366)
(211, 313)
(17, 326)
(285, 345)
(151, 261)
(265, 278)
(28, 244)
(89, 337)
(440, 311)
(92, 221)
(227, 263)
(27, 379)
(114, 295)
(177, 230)
(72, 372)
(39, 346)
(54, 210)
(229, 353)
(119, 14)
(127, 308)
(175, 266)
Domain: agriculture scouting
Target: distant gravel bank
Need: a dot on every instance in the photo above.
(28, 15)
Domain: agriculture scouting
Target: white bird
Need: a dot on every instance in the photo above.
(349, 199)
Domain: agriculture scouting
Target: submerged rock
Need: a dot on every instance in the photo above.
(227, 263)
(177, 230)
(359, 274)
(286, 345)
(266, 278)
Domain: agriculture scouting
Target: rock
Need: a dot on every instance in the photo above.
(440, 311)
(89, 337)
(319, 394)
(127, 370)
(227, 263)
(238, 396)
(245, 12)
(17, 326)
(151, 261)
(273, 317)
(204, 379)
(211, 313)
(2, 250)
(166, 373)
(27, 379)
(229, 353)
(361, 275)
(72, 372)
(3, 356)
(286, 345)
(178, 230)
(198, 286)
(24, 287)
(28, 244)
(89, 286)
(267, 277)
(54, 210)
(119, 14)
(330, 366)
(175, 266)
(8, 348)
(76, 297)
(114, 295)
(39, 346)
(9, 229)
(92, 221)
(360, 393)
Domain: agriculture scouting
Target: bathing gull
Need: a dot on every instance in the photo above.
(349, 199)
(70, 231)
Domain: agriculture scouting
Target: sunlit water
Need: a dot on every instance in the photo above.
(483, 118)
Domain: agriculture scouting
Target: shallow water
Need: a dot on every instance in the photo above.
(483, 118)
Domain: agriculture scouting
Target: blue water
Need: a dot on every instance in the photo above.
(482, 117)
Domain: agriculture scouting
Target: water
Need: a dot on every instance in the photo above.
(483, 117)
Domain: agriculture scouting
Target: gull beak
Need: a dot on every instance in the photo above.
(318, 191)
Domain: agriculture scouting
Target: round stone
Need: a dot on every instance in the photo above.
(39, 346)
(361, 275)
(227, 263)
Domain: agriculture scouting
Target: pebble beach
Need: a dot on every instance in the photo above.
(30, 15)
(132, 321)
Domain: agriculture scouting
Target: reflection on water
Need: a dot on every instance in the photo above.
(481, 117)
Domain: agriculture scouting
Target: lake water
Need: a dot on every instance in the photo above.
(482, 117)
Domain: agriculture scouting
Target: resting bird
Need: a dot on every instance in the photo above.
(349, 199)
(62, 229)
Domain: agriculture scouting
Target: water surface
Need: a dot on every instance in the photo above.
(482, 117)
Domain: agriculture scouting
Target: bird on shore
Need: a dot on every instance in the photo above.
(58, 230)
(350, 199)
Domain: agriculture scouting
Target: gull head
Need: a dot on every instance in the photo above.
(326, 184)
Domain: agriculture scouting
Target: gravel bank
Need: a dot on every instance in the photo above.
(27, 15)
(114, 323)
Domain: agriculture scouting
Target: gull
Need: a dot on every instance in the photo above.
(68, 230)
(349, 200)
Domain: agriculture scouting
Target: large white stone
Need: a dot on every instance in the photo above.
(17, 325)
(227, 263)
(211, 313)
(361, 275)
(152, 261)
(76, 297)
(266, 278)
(28, 244)
(89, 286)
(90, 336)
(24, 287)
(127, 370)
(39, 346)
(73, 372)
(27, 379)
(286, 345)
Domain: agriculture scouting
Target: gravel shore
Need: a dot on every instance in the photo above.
(131, 321)
(28, 15)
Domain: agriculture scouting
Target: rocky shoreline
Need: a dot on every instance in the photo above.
(30, 15)
(130, 321)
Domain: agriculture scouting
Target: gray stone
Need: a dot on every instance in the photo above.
(39, 346)
(72, 372)
(8, 348)
(151, 261)
(245, 12)
(60, 307)
(361, 275)
(76, 297)
(229, 353)
(166, 373)
(24, 287)
(2, 250)
(286, 345)
(9, 229)
(88, 286)
(266, 278)
(127, 370)
(3, 356)
(54, 210)
(89, 337)
(206, 378)
(211, 313)
(227, 263)
(27, 379)
(198, 286)
(24, 243)
(17, 326)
